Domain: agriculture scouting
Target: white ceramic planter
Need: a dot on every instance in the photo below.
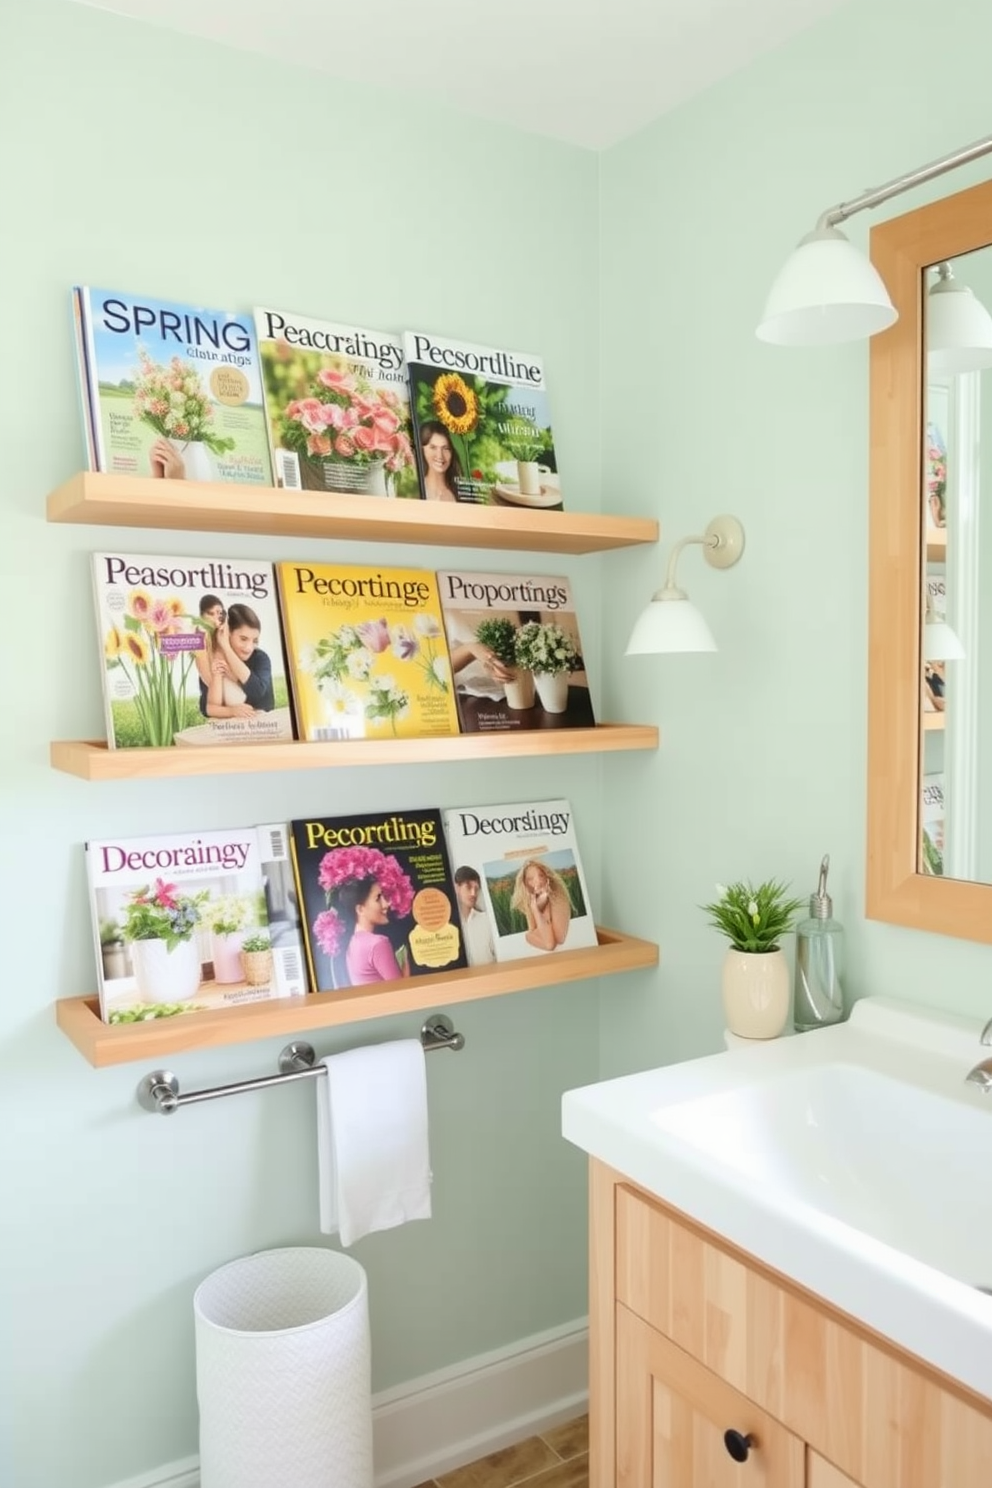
(756, 993)
(552, 691)
(520, 690)
(225, 951)
(162, 975)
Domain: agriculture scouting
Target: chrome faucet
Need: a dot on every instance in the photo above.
(981, 1076)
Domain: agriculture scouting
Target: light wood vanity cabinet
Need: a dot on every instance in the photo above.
(690, 1339)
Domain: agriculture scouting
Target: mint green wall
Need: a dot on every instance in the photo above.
(762, 766)
(137, 159)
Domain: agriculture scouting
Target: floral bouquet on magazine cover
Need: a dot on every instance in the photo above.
(341, 663)
(152, 647)
(350, 878)
(349, 421)
(172, 400)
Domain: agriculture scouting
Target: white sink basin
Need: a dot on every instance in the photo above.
(908, 1167)
(855, 1160)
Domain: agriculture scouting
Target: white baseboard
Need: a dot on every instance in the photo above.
(440, 1421)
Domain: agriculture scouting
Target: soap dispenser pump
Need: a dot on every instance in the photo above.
(819, 961)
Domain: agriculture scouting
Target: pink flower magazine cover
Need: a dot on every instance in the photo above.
(174, 390)
(337, 406)
(376, 898)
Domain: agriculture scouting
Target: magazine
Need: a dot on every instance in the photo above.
(194, 921)
(82, 380)
(482, 424)
(337, 406)
(516, 655)
(191, 651)
(174, 390)
(932, 823)
(366, 649)
(525, 858)
(377, 898)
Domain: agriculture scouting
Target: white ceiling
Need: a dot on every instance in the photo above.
(586, 71)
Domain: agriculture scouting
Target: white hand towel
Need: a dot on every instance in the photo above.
(372, 1147)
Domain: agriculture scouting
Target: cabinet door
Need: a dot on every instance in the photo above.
(672, 1415)
(823, 1474)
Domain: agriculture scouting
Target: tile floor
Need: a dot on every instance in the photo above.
(558, 1459)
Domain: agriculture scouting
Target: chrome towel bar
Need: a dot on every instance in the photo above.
(159, 1091)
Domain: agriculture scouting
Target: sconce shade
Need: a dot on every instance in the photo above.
(669, 625)
(958, 327)
(826, 292)
(940, 642)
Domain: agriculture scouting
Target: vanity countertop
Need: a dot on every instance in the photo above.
(854, 1160)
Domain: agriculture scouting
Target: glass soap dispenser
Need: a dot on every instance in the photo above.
(819, 961)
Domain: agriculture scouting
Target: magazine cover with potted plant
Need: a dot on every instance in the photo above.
(526, 859)
(516, 653)
(191, 651)
(179, 922)
(482, 424)
(337, 406)
(168, 389)
(377, 896)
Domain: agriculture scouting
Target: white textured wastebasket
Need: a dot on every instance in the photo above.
(283, 1372)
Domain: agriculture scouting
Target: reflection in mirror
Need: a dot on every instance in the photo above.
(955, 802)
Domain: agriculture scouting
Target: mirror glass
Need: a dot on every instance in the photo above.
(955, 739)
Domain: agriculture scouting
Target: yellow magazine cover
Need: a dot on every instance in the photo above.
(366, 651)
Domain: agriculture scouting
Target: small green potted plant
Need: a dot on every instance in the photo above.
(550, 653)
(499, 635)
(256, 956)
(755, 975)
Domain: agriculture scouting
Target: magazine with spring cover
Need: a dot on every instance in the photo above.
(191, 651)
(194, 921)
(366, 650)
(932, 823)
(516, 654)
(525, 861)
(174, 390)
(337, 406)
(377, 898)
(482, 424)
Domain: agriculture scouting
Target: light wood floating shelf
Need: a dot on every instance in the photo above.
(107, 1044)
(936, 545)
(90, 759)
(206, 506)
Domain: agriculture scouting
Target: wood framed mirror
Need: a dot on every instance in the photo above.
(898, 890)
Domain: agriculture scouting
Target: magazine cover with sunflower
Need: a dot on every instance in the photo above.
(173, 390)
(191, 651)
(366, 650)
(376, 897)
(482, 424)
(337, 406)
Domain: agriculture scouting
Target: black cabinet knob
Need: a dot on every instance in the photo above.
(738, 1445)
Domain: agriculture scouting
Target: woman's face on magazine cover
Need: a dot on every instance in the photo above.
(375, 910)
(216, 614)
(244, 642)
(438, 453)
(536, 880)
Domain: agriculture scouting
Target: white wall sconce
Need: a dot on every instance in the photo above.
(958, 328)
(671, 621)
(827, 291)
